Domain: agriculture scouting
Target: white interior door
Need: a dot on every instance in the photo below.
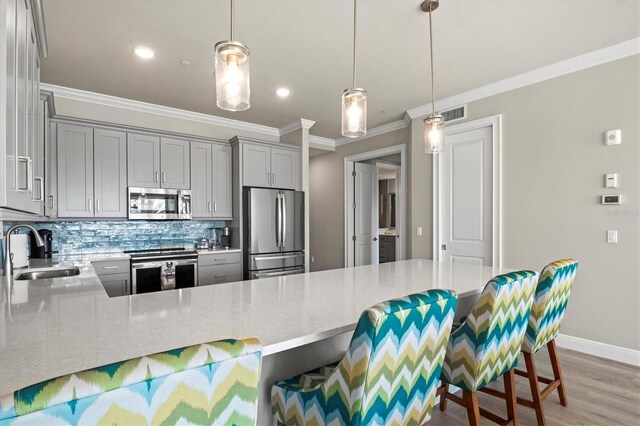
(366, 214)
(467, 210)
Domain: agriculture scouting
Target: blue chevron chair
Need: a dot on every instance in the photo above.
(389, 374)
(549, 306)
(486, 346)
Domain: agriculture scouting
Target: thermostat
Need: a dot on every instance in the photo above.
(612, 199)
(613, 137)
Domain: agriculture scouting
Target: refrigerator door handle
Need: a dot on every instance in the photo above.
(278, 220)
(283, 241)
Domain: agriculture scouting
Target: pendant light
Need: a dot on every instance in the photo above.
(232, 74)
(434, 123)
(354, 100)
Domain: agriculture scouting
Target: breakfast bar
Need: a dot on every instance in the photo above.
(52, 327)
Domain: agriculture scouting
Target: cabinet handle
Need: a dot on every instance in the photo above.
(89, 200)
(164, 177)
(51, 202)
(110, 267)
(209, 206)
(219, 276)
(273, 178)
(268, 177)
(97, 204)
(215, 206)
(41, 187)
(125, 286)
(155, 177)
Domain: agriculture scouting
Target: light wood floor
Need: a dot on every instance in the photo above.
(599, 392)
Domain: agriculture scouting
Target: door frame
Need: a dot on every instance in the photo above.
(495, 122)
(348, 194)
(390, 166)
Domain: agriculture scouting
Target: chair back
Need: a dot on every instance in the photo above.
(549, 303)
(488, 343)
(392, 368)
(211, 383)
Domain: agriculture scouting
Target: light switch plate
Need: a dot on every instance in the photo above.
(611, 180)
(613, 137)
(419, 231)
(612, 236)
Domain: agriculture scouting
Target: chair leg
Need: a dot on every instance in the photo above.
(557, 373)
(510, 396)
(473, 409)
(532, 374)
(443, 397)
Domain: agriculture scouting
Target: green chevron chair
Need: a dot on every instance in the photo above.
(549, 306)
(486, 346)
(211, 383)
(389, 374)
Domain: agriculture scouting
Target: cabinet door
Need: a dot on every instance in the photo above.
(75, 171)
(201, 184)
(143, 161)
(256, 165)
(285, 168)
(222, 189)
(116, 285)
(110, 173)
(208, 275)
(11, 86)
(174, 164)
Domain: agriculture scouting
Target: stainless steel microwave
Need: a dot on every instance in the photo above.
(159, 204)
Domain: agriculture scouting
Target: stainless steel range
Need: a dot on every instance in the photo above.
(163, 269)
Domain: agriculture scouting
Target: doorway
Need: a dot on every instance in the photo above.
(367, 178)
(467, 194)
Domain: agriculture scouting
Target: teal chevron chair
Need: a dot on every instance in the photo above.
(211, 383)
(389, 374)
(486, 346)
(549, 306)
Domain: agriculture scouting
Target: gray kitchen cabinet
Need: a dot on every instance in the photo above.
(208, 275)
(201, 180)
(222, 182)
(143, 160)
(271, 167)
(116, 285)
(256, 165)
(75, 171)
(174, 164)
(110, 173)
(285, 168)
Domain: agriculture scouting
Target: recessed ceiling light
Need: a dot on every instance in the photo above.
(185, 62)
(144, 52)
(283, 92)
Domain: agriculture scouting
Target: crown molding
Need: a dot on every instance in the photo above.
(322, 143)
(385, 128)
(113, 101)
(571, 65)
(301, 123)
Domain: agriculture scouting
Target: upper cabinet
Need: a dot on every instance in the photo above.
(21, 45)
(211, 180)
(155, 162)
(272, 167)
(110, 173)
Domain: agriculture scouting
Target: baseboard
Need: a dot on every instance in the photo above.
(603, 350)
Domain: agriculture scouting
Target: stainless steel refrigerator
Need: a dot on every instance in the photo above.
(273, 232)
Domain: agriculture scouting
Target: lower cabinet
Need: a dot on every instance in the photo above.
(387, 248)
(218, 268)
(113, 277)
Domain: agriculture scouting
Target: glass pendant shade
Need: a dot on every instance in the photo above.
(354, 113)
(232, 76)
(433, 134)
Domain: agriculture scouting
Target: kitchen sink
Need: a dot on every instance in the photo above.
(48, 273)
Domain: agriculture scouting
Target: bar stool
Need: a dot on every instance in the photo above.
(547, 312)
(487, 344)
(389, 374)
(211, 383)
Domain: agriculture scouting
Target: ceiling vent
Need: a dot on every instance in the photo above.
(455, 114)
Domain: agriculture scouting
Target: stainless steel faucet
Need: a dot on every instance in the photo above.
(8, 258)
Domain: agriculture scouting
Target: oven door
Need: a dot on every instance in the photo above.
(146, 276)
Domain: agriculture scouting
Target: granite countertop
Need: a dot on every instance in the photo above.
(218, 250)
(53, 327)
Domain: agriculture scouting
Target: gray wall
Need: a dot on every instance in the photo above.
(326, 194)
(554, 161)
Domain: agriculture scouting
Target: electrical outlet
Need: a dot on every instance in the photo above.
(419, 230)
(612, 236)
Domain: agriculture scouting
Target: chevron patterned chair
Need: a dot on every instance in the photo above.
(211, 383)
(487, 344)
(389, 374)
(549, 306)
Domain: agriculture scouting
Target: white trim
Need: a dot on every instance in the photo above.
(495, 122)
(385, 128)
(113, 101)
(319, 142)
(568, 66)
(301, 123)
(602, 350)
(401, 217)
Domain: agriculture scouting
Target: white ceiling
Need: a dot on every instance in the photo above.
(306, 45)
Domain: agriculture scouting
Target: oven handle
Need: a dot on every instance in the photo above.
(159, 264)
(289, 256)
(278, 273)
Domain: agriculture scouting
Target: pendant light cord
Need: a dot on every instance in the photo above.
(433, 92)
(231, 26)
(355, 10)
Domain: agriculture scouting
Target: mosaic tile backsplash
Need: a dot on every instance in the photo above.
(84, 237)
